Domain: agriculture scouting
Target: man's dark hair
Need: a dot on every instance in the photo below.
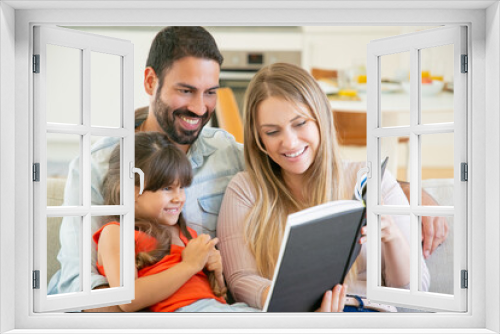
(174, 43)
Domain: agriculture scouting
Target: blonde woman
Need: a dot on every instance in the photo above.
(292, 163)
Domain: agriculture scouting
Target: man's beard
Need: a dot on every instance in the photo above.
(166, 119)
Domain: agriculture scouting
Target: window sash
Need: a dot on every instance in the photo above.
(414, 298)
(86, 298)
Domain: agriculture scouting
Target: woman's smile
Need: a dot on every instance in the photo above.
(296, 153)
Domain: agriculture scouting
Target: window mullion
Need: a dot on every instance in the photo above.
(414, 170)
(419, 210)
(427, 129)
(81, 130)
(86, 174)
(128, 123)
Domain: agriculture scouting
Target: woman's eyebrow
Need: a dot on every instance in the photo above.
(292, 120)
(267, 125)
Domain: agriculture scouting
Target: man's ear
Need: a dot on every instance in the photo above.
(150, 81)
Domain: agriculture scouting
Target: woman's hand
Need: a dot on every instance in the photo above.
(334, 300)
(197, 251)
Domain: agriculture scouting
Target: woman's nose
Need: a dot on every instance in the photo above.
(289, 140)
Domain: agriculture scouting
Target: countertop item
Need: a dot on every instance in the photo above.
(397, 103)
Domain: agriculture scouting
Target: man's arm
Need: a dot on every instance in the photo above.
(68, 278)
(434, 229)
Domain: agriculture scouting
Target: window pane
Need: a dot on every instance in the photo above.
(61, 150)
(105, 89)
(437, 168)
(97, 223)
(64, 84)
(401, 223)
(99, 171)
(397, 150)
(394, 89)
(441, 262)
(436, 90)
(53, 245)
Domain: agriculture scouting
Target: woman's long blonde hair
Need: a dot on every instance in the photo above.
(323, 180)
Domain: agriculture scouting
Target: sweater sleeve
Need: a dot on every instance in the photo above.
(392, 194)
(240, 269)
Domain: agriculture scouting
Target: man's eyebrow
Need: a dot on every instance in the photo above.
(180, 84)
(271, 125)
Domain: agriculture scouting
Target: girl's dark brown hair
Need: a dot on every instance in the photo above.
(163, 165)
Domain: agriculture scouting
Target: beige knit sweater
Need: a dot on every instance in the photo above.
(239, 265)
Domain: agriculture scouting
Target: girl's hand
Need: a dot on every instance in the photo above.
(388, 230)
(334, 300)
(197, 251)
(214, 263)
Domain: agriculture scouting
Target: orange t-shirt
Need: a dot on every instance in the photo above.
(196, 288)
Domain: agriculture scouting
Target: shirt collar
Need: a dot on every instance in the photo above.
(198, 150)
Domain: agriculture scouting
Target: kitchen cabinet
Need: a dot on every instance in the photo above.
(258, 38)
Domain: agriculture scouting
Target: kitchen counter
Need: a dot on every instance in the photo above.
(398, 102)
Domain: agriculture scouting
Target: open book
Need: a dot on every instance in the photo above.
(319, 246)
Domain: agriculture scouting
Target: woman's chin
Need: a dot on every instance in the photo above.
(296, 167)
(296, 171)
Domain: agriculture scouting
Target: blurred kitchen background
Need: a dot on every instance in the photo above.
(336, 56)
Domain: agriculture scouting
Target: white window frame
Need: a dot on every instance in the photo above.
(124, 50)
(16, 304)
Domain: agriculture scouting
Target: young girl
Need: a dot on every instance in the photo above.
(176, 270)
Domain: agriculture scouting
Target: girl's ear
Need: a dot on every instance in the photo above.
(150, 81)
(137, 190)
